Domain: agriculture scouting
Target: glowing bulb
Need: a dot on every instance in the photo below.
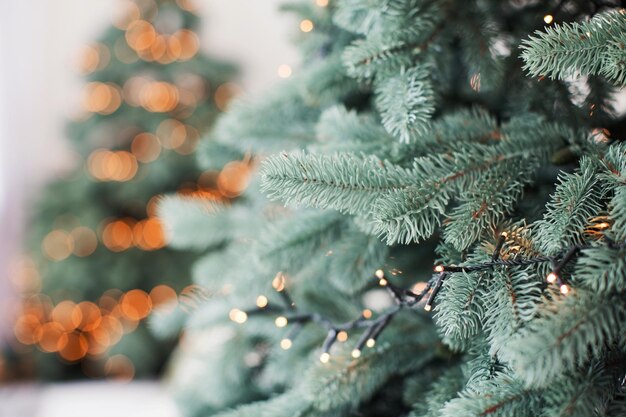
(370, 343)
(428, 307)
(564, 289)
(548, 19)
(367, 313)
(321, 3)
(439, 268)
(284, 71)
(325, 357)
(238, 316)
(285, 344)
(603, 225)
(551, 278)
(261, 301)
(342, 336)
(382, 282)
(380, 274)
(278, 283)
(356, 353)
(281, 321)
(306, 25)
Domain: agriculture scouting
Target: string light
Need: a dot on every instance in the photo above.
(306, 26)
(281, 321)
(261, 301)
(342, 336)
(238, 316)
(404, 298)
(278, 283)
(284, 71)
(552, 277)
(548, 19)
(285, 344)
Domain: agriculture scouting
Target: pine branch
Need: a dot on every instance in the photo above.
(597, 47)
(576, 329)
(503, 396)
(406, 103)
(343, 182)
(577, 198)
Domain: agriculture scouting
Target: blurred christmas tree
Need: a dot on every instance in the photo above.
(97, 246)
(422, 141)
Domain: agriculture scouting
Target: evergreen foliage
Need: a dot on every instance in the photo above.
(429, 145)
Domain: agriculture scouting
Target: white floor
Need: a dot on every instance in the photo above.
(93, 399)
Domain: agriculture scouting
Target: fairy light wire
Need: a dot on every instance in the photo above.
(403, 298)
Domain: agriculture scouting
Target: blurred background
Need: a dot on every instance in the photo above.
(102, 104)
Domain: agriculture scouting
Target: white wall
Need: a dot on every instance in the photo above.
(39, 42)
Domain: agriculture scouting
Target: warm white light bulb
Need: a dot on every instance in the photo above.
(281, 321)
(356, 353)
(370, 343)
(548, 19)
(380, 274)
(551, 278)
(427, 307)
(439, 268)
(261, 301)
(564, 289)
(238, 316)
(285, 344)
(325, 357)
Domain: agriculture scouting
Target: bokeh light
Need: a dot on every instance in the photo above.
(67, 314)
(75, 347)
(306, 25)
(234, 178)
(140, 35)
(106, 165)
(94, 57)
(90, 316)
(148, 234)
(57, 245)
(163, 297)
(146, 147)
(52, 337)
(117, 235)
(284, 71)
(26, 329)
(85, 241)
(159, 97)
(102, 98)
(136, 304)
(189, 43)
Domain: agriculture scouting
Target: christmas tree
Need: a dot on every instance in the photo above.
(99, 264)
(453, 237)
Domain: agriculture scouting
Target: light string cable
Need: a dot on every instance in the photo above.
(290, 314)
